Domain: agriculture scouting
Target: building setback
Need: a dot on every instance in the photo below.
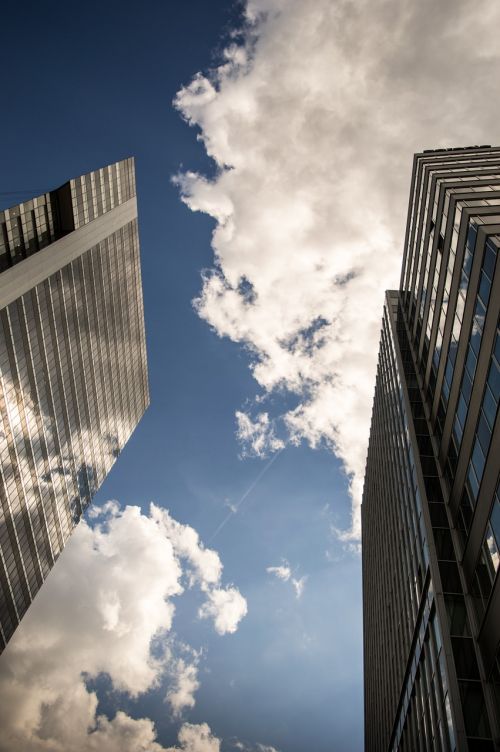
(431, 501)
(73, 370)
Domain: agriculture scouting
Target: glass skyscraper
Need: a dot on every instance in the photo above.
(73, 370)
(431, 501)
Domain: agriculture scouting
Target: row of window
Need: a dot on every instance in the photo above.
(489, 559)
(427, 720)
(457, 325)
(418, 213)
(472, 354)
(465, 661)
(482, 437)
(25, 229)
(94, 194)
(395, 610)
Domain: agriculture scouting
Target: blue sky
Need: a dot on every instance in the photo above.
(89, 85)
(273, 143)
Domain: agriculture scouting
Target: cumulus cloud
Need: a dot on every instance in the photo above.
(196, 737)
(284, 572)
(108, 608)
(312, 121)
(181, 695)
(204, 564)
(226, 606)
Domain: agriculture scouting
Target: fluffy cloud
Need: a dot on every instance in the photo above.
(257, 436)
(312, 121)
(108, 608)
(226, 606)
(204, 564)
(284, 572)
(181, 694)
(196, 738)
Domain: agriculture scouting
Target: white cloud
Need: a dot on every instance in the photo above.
(284, 572)
(299, 585)
(258, 747)
(204, 563)
(346, 539)
(105, 604)
(257, 436)
(196, 737)
(312, 122)
(181, 694)
(226, 606)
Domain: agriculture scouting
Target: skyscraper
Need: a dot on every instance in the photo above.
(431, 501)
(73, 371)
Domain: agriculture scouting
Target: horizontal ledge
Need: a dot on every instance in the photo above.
(28, 273)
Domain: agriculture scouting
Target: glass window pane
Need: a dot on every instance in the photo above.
(475, 341)
(492, 548)
(494, 380)
(484, 288)
(489, 260)
(495, 520)
(462, 410)
(466, 387)
(472, 484)
(473, 705)
(478, 460)
(457, 430)
(484, 433)
(489, 406)
(449, 366)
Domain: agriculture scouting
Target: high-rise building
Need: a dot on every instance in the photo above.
(431, 501)
(73, 371)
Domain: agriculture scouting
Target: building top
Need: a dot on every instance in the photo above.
(32, 225)
(456, 148)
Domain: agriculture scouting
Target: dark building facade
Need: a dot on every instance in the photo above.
(73, 370)
(431, 500)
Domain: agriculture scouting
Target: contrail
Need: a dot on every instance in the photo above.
(247, 492)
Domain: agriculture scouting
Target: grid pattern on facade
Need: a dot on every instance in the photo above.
(460, 376)
(27, 228)
(73, 386)
(34, 224)
(447, 332)
(406, 687)
(433, 173)
(98, 192)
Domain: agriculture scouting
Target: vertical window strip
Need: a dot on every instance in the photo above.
(482, 437)
(474, 344)
(457, 328)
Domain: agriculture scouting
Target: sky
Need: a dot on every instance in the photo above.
(211, 601)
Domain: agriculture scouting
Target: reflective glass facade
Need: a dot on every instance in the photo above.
(431, 505)
(73, 377)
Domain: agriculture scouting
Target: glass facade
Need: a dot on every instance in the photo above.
(431, 506)
(35, 224)
(73, 386)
